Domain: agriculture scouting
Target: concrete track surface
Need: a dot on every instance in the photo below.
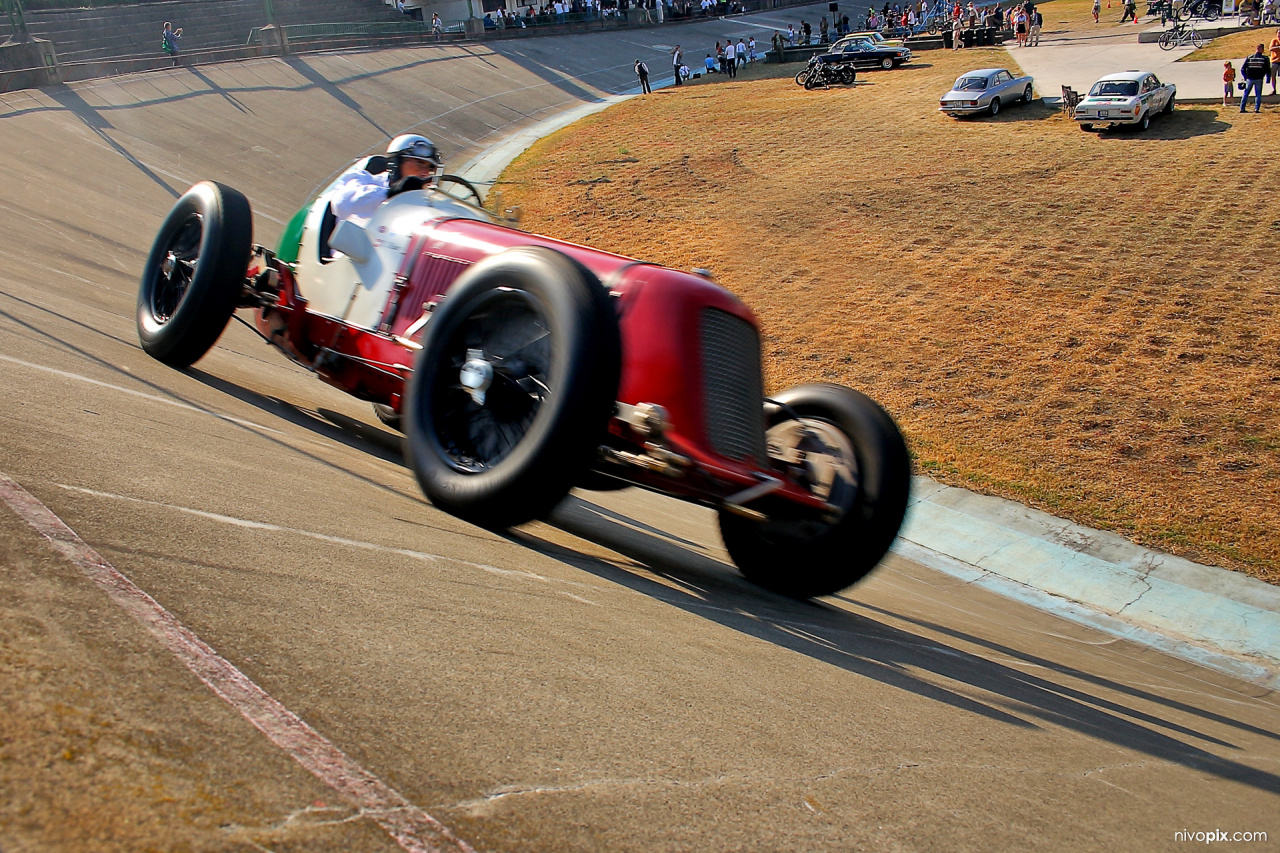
(601, 681)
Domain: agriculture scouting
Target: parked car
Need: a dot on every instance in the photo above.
(874, 36)
(519, 366)
(863, 53)
(985, 90)
(1129, 97)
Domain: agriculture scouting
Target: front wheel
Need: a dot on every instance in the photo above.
(1144, 122)
(1197, 40)
(802, 76)
(813, 81)
(852, 455)
(886, 64)
(194, 275)
(995, 106)
(933, 27)
(512, 392)
(1026, 94)
(1168, 107)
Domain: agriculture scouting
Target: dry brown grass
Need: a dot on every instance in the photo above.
(1086, 323)
(1235, 46)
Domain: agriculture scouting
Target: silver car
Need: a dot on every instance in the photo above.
(985, 91)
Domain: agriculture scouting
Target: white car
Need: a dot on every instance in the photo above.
(1129, 97)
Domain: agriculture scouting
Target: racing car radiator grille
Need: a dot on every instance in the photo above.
(732, 390)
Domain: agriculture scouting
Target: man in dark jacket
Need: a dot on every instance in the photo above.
(1255, 70)
(642, 71)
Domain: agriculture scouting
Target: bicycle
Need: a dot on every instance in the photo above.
(1180, 35)
(1210, 10)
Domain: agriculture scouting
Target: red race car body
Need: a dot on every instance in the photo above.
(519, 366)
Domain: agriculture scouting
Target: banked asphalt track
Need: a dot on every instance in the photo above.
(603, 681)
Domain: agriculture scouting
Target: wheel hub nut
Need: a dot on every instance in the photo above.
(476, 375)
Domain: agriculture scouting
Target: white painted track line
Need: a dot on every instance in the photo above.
(411, 827)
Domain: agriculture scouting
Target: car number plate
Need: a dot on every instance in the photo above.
(1102, 113)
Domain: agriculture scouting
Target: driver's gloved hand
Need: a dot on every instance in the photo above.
(412, 182)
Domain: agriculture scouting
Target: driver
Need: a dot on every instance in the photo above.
(411, 162)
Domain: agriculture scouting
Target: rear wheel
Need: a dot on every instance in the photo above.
(994, 109)
(194, 275)
(1197, 41)
(855, 459)
(847, 76)
(514, 387)
(1211, 12)
(1167, 40)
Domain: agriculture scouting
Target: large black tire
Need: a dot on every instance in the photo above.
(194, 275)
(796, 552)
(994, 109)
(801, 76)
(389, 416)
(1168, 107)
(1144, 122)
(1026, 94)
(886, 64)
(543, 330)
(813, 81)
(847, 76)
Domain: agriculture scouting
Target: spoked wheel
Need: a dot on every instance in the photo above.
(1167, 40)
(194, 275)
(802, 76)
(886, 64)
(513, 390)
(852, 455)
(1197, 40)
(460, 189)
(933, 27)
(813, 81)
(1212, 13)
(847, 76)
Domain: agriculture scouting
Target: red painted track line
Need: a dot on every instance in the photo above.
(411, 827)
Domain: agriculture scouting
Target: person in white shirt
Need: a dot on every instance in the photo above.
(412, 162)
(731, 60)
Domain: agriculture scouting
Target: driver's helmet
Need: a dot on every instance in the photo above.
(411, 146)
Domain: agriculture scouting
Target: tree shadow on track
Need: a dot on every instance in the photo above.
(912, 662)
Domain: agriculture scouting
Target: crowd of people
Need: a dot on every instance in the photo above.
(726, 59)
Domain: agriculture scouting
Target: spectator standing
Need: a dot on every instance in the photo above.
(742, 52)
(1275, 61)
(1228, 82)
(808, 32)
(437, 26)
(1255, 70)
(642, 71)
(170, 39)
(730, 59)
(822, 30)
(1097, 10)
(751, 49)
(791, 36)
(1130, 11)
(957, 41)
(677, 59)
(1037, 21)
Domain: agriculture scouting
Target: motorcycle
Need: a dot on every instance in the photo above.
(818, 73)
(1210, 10)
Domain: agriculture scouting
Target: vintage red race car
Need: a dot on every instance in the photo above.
(520, 366)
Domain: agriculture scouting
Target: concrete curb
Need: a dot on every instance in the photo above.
(1210, 616)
